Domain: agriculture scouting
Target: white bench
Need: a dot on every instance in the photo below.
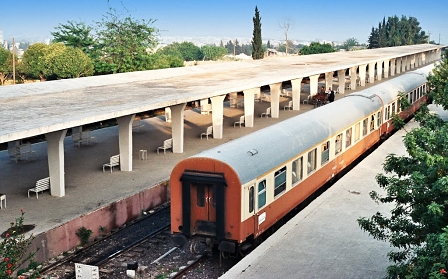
(41, 185)
(84, 137)
(113, 161)
(208, 132)
(167, 144)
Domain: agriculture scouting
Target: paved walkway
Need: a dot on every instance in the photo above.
(324, 239)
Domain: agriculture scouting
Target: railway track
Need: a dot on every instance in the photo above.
(112, 245)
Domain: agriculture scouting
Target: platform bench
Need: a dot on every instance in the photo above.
(41, 185)
(113, 162)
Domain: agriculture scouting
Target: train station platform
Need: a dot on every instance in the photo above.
(88, 188)
(324, 239)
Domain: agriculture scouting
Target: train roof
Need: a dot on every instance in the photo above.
(256, 154)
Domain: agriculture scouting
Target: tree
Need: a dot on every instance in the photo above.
(75, 34)
(123, 43)
(417, 186)
(397, 32)
(257, 49)
(350, 43)
(187, 51)
(33, 61)
(285, 26)
(5, 65)
(316, 47)
(213, 52)
(72, 63)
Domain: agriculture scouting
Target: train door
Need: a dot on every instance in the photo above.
(203, 208)
(203, 204)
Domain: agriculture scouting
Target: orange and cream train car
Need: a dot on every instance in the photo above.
(231, 194)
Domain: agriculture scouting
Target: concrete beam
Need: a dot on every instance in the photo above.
(275, 89)
(55, 151)
(249, 105)
(177, 127)
(125, 141)
(296, 89)
(362, 74)
(341, 81)
(218, 116)
(353, 77)
(314, 84)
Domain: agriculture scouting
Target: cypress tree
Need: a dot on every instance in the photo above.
(257, 49)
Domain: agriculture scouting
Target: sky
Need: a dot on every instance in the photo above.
(230, 19)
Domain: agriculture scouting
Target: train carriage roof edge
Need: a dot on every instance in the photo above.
(257, 153)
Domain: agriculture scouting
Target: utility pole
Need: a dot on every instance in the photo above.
(13, 63)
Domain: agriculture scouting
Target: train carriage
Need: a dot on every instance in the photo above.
(232, 193)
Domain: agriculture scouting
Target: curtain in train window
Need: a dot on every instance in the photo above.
(325, 152)
(372, 122)
(364, 127)
(279, 181)
(261, 194)
(357, 131)
(348, 137)
(297, 170)
(338, 144)
(251, 199)
(312, 160)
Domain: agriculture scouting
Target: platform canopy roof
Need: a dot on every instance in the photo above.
(37, 108)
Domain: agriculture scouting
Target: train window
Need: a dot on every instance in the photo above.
(297, 170)
(393, 108)
(398, 106)
(378, 118)
(251, 199)
(348, 137)
(385, 113)
(372, 122)
(200, 195)
(280, 181)
(261, 194)
(410, 97)
(357, 128)
(325, 152)
(389, 111)
(415, 95)
(312, 160)
(338, 144)
(364, 127)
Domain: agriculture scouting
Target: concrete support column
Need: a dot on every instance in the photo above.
(314, 84)
(438, 54)
(417, 59)
(203, 104)
(275, 89)
(233, 99)
(372, 72)
(404, 63)
(328, 80)
(341, 81)
(353, 77)
(362, 74)
(218, 116)
(379, 70)
(296, 89)
(249, 106)
(125, 141)
(399, 62)
(392, 66)
(386, 68)
(177, 127)
(412, 62)
(55, 152)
